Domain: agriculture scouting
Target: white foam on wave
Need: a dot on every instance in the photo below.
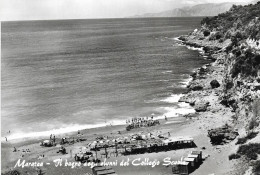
(200, 49)
(166, 72)
(64, 130)
(189, 47)
(184, 105)
(173, 98)
(180, 108)
(176, 111)
(177, 39)
(185, 82)
(163, 80)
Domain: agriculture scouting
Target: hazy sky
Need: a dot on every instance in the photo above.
(71, 9)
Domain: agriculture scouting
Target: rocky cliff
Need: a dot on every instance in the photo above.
(232, 82)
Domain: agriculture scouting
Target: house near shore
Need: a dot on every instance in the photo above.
(178, 141)
(103, 170)
(188, 164)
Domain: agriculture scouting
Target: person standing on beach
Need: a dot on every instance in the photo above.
(5, 138)
(53, 138)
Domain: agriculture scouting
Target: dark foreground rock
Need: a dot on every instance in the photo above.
(214, 84)
(195, 87)
(201, 106)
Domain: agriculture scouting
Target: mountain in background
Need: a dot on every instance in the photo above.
(255, 1)
(208, 9)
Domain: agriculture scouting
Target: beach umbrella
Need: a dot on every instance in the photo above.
(46, 141)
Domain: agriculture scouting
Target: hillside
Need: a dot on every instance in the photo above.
(208, 9)
(231, 82)
(254, 1)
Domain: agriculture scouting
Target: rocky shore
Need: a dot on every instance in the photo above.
(225, 95)
(227, 106)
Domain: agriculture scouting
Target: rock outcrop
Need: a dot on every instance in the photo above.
(214, 84)
(201, 106)
(195, 87)
(222, 135)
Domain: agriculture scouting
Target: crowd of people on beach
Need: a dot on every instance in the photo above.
(138, 122)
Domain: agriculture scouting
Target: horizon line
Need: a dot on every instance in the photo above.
(66, 19)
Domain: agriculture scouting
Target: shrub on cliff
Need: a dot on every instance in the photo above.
(249, 136)
(241, 140)
(205, 21)
(237, 37)
(229, 84)
(216, 36)
(233, 156)
(219, 35)
(241, 18)
(257, 59)
(253, 124)
(250, 151)
(256, 166)
(247, 64)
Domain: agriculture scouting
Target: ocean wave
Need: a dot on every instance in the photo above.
(177, 39)
(163, 80)
(177, 111)
(167, 72)
(200, 49)
(185, 82)
(172, 99)
(63, 130)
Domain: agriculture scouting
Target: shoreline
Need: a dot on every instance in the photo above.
(195, 125)
(68, 133)
(91, 133)
(170, 112)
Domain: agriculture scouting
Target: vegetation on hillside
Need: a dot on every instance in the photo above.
(239, 24)
(243, 18)
(240, 29)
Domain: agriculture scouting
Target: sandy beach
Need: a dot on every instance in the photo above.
(107, 90)
(195, 127)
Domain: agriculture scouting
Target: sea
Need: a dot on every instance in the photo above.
(60, 76)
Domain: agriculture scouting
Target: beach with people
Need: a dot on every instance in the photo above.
(121, 109)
